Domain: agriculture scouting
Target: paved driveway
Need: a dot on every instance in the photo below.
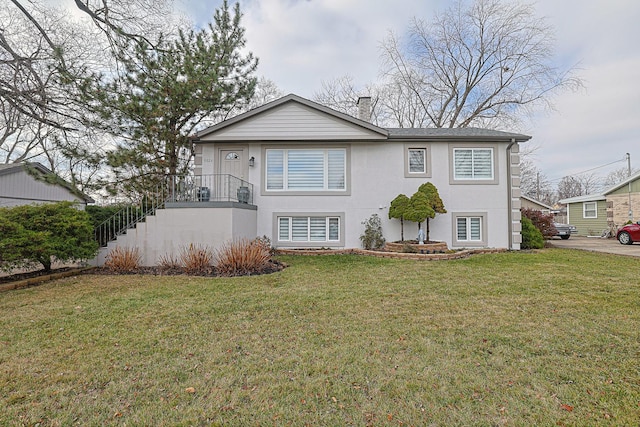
(596, 244)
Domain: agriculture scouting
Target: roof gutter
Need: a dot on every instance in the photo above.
(509, 198)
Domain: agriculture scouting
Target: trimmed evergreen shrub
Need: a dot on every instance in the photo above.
(531, 236)
(42, 234)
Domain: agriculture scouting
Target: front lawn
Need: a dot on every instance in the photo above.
(542, 338)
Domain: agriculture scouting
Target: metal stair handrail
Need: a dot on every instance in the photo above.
(127, 218)
(178, 189)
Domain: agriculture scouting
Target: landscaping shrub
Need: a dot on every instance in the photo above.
(169, 262)
(14, 240)
(242, 257)
(266, 242)
(372, 238)
(531, 237)
(123, 260)
(542, 221)
(196, 259)
(42, 234)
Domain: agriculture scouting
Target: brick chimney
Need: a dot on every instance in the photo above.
(364, 108)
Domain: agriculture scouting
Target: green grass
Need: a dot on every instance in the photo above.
(539, 338)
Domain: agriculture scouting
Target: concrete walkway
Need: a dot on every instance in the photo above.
(597, 244)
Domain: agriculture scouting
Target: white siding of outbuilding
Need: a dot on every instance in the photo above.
(20, 188)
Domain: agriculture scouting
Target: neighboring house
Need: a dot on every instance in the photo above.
(529, 203)
(27, 183)
(595, 213)
(307, 176)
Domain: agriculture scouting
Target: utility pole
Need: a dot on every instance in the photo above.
(629, 173)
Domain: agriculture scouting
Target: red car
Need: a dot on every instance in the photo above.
(629, 233)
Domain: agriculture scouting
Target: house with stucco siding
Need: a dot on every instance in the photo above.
(307, 176)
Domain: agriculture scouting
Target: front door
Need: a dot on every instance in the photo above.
(232, 162)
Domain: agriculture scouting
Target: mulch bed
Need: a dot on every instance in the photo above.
(272, 267)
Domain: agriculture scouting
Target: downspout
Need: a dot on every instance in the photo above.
(509, 202)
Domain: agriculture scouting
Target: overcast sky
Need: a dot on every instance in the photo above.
(300, 43)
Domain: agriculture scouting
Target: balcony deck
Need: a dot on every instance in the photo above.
(209, 191)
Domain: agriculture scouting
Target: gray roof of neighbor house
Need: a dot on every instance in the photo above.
(537, 202)
(599, 196)
(441, 134)
(9, 168)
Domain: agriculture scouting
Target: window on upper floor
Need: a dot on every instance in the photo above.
(306, 169)
(416, 161)
(473, 164)
(590, 210)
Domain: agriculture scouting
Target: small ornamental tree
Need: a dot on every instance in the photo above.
(430, 190)
(48, 232)
(419, 209)
(398, 209)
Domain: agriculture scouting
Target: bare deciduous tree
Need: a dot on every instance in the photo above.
(617, 176)
(569, 186)
(534, 183)
(45, 63)
(579, 185)
(482, 64)
(341, 94)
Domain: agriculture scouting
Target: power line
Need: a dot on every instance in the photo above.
(624, 159)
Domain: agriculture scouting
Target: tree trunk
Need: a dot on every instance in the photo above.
(427, 229)
(46, 263)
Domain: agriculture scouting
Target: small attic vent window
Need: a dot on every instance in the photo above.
(232, 156)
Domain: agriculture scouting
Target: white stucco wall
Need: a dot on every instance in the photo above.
(377, 177)
(171, 229)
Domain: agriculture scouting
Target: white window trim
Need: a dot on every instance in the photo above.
(483, 242)
(475, 181)
(427, 161)
(324, 192)
(308, 244)
(584, 210)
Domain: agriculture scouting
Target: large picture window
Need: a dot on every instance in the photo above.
(306, 169)
(473, 163)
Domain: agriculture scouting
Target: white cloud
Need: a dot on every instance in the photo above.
(300, 43)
